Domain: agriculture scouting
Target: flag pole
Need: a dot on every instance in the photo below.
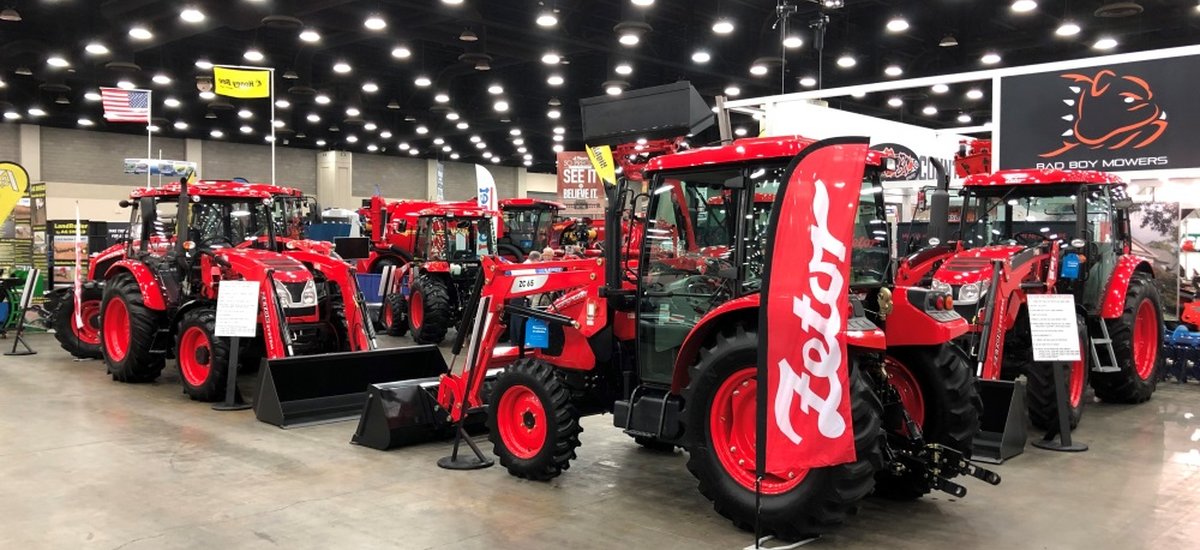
(271, 87)
(149, 119)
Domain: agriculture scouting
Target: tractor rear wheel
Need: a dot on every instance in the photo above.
(79, 341)
(429, 309)
(1040, 391)
(533, 426)
(203, 358)
(720, 434)
(127, 329)
(1137, 341)
(392, 312)
(936, 387)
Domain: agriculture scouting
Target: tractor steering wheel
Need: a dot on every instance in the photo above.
(1029, 238)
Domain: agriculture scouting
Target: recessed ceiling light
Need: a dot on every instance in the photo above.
(12, 115)
(1069, 28)
(375, 23)
(758, 70)
(558, 138)
(939, 88)
(476, 139)
(320, 143)
(57, 61)
(462, 125)
(85, 122)
(808, 82)
(246, 130)
(547, 19)
(964, 118)
(895, 102)
(623, 69)
(96, 48)
(486, 154)
(930, 110)
(495, 89)
(245, 113)
(282, 103)
(452, 2)
(527, 156)
(169, 102)
(846, 61)
(310, 35)
(191, 15)
(522, 150)
(91, 96)
(253, 54)
(551, 58)
(527, 163)
(413, 152)
(897, 24)
(613, 89)
(341, 67)
(36, 111)
(1105, 43)
(127, 85)
(313, 117)
(439, 141)
(403, 145)
(629, 39)
(858, 94)
(401, 52)
(322, 99)
(140, 33)
(454, 156)
(161, 78)
(514, 132)
(452, 116)
(1024, 6)
(442, 97)
(974, 93)
(422, 130)
(205, 95)
(732, 91)
(701, 56)
(723, 25)
(560, 130)
(480, 145)
(203, 64)
(352, 139)
(554, 114)
(352, 112)
(990, 58)
(500, 106)
(422, 81)
(372, 147)
(893, 70)
(370, 87)
(217, 134)
(370, 127)
(181, 125)
(555, 80)
(558, 148)
(793, 41)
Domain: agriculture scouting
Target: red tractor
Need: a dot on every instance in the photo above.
(393, 231)
(1026, 232)
(528, 225)
(158, 290)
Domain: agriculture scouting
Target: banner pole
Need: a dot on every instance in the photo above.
(271, 87)
(149, 119)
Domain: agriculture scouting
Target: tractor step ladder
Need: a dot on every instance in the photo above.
(1106, 341)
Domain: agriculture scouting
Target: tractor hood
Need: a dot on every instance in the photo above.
(974, 265)
(254, 263)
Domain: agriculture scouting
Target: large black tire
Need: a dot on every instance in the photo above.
(1129, 385)
(202, 357)
(429, 326)
(527, 401)
(822, 498)
(1041, 399)
(77, 343)
(511, 252)
(393, 311)
(385, 261)
(136, 364)
(950, 404)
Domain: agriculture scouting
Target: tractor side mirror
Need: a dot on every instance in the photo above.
(1124, 203)
(125, 203)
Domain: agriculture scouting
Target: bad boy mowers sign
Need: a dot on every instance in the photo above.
(1118, 117)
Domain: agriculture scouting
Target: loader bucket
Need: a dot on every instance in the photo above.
(1002, 432)
(402, 413)
(329, 387)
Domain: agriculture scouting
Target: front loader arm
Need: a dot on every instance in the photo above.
(359, 328)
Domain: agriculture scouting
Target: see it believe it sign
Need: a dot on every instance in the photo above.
(579, 187)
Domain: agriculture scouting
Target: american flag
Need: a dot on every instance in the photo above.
(126, 105)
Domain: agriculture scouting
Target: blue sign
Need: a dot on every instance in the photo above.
(537, 333)
(1070, 266)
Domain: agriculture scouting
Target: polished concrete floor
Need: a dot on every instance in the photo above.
(86, 462)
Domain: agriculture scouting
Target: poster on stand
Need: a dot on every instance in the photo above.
(159, 167)
(63, 249)
(579, 187)
(1155, 230)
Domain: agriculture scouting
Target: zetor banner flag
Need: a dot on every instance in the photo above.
(242, 83)
(1115, 117)
(802, 347)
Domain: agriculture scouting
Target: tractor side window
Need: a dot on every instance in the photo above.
(1099, 215)
(765, 182)
(871, 251)
(423, 240)
(163, 227)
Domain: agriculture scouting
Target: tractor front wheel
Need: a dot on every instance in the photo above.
(80, 341)
(1040, 389)
(203, 358)
(936, 387)
(532, 424)
(127, 329)
(429, 309)
(1137, 341)
(393, 314)
(720, 419)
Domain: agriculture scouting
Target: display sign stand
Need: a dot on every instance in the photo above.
(237, 318)
(233, 398)
(1063, 430)
(1053, 325)
(23, 307)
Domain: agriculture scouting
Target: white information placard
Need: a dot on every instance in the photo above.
(1052, 327)
(237, 308)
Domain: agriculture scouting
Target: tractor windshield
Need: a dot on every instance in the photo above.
(291, 216)
(224, 222)
(1027, 215)
(455, 239)
(527, 228)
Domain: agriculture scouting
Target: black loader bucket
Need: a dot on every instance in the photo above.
(398, 414)
(1002, 427)
(311, 389)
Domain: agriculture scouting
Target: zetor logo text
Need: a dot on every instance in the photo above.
(1111, 112)
(821, 349)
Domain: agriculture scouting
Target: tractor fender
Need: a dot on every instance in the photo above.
(1113, 303)
(391, 253)
(916, 266)
(99, 263)
(909, 325)
(152, 292)
(742, 310)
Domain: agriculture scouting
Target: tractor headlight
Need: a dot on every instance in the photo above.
(281, 291)
(971, 293)
(941, 286)
(308, 297)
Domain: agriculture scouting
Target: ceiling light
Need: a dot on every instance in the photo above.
(808, 82)
(372, 147)
(401, 52)
(439, 141)
(514, 132)
(320, 143)
(452, 115)
(893, 70)
(964, 118)
(403, 145)
(322, 99)
(161, 79)
(833, 4)
(555, 80)
(476, 139)
(413, 152)
(897, 24)
(551, 58)
(758, 69)
(253, 54)
(207, 96)
(12, 115)
(23, 71)
(1105, 43)
(422, 130)
(701, 56)
(547, 19)
(522, 150)
(96, 48)
(169, 102)
(558, 148)
(858, 94)
(629, 39)
(948, 41)
(990, 58)
(939, 88)
(140, 33)
(974, 93)
(352, 139)
(310, 35)
(623, 69)
(462, 125)
(277, 123)
(152, 128)
(203, 64)
(370, 127)
(282, 103)
(10, 14)
(313, 117)
(375, 23)
(181, 125)
(846, 61)
(500, 106)
(352, 112)
(554, 114)
(441, 97)
(191, 15)
(422, 81)
(57, 61)
(558, 138)
(732, 91)
(612, 89)
(341, 67)
(36, 111)
(495, 160)
(929, 110)
(452, 2)
(1068, 28)
(370, 87)
(217, 134)
(895, 102)
(527, 156)
(495, 89)
(723, 25)
(454, 156)
(246, 130)
(245, 113)
(85, 122)
(793, 41)
(127, 85)
(95, 96)
(1024, 6)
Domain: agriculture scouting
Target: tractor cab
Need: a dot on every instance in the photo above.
(527, 223)
(457, 236)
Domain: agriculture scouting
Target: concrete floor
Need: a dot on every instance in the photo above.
(86, 462)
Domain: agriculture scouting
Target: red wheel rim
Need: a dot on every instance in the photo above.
(521, 421)
(1145, 340)
(1075, 380)
(416, 310)
(905, 384)
(116, 329)
(89, 333)
(387, 315)
(195, 356)
(731, 431)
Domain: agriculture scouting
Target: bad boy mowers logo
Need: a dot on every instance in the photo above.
(1111, 112)
(908, 165)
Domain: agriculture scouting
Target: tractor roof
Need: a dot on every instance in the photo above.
(742, 150)
(454, 211)
(417, 207)
(529, 203)
(218, 188)
(1040, 177)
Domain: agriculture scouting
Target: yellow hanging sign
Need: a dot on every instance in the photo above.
(602, 161)
(242, 83)
(14, 183)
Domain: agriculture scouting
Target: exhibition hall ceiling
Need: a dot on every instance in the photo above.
(500, 80)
